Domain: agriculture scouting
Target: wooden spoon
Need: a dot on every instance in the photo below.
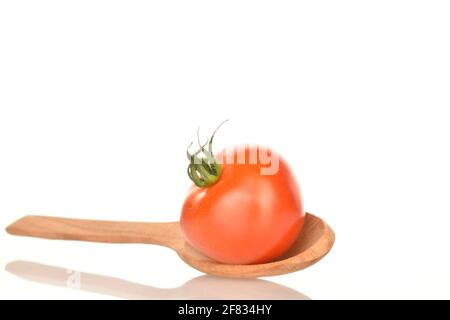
(313, 243)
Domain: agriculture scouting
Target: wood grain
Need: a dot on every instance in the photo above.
(314, 242)
(164, 233)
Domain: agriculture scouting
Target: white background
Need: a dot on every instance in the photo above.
(98, 100)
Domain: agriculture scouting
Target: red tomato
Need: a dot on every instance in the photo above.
(245, 217)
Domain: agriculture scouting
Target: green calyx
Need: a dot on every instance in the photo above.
(204, 169)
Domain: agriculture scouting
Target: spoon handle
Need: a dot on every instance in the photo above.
(163, 233)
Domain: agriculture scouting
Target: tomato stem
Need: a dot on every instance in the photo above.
(204, 169)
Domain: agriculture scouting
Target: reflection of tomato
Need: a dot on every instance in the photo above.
(245, 217)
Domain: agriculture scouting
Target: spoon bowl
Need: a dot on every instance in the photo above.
(313, 243)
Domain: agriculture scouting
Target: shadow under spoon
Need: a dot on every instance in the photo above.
(200, 288)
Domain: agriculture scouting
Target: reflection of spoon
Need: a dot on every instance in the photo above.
(203, 287)
(314, 242)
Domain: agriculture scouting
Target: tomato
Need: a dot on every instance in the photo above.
(245, 217)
